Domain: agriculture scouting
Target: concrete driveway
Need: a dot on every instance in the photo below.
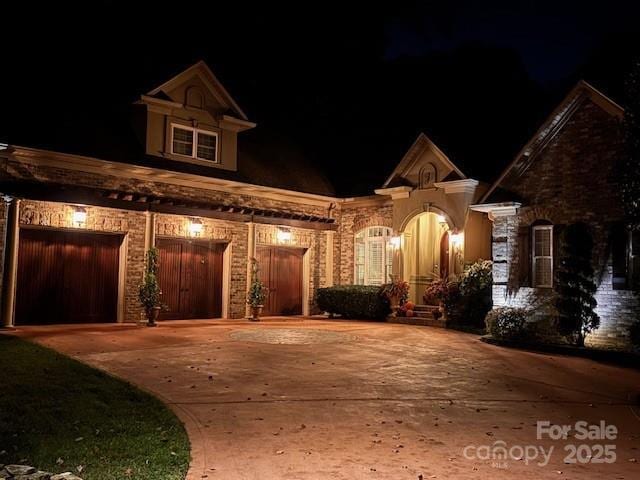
(318, 399)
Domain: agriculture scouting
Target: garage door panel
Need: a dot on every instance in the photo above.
(169, 274)
(66, 277)
(281, 271)
(190, 276)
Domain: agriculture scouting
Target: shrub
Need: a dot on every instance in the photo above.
(477, 277)
(507, 323)
(398, 289)
(149, 293)
(575, 285)
(469, 300)
(353, 301)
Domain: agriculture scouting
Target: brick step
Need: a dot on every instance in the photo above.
(422, 321)
(425, 308)
(423, 314)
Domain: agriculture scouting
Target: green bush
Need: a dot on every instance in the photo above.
(471, 301)
(353, 301)
(507, 323)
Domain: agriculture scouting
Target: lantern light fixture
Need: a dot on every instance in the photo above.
(442, 219)
(456, 239)
(195, 227)
(79, 216)
(284, 235)
(395, 241)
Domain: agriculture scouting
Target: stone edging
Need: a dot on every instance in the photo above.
(26, 472)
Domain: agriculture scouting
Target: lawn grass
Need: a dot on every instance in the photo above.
(54, 409)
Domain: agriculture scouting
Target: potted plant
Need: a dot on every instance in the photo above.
(149, 292)
(443, 291)
(396, 292)
(257, 293)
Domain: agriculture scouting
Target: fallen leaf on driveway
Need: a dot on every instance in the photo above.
(279, 452)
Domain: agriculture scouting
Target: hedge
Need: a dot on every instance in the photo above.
(353, 301)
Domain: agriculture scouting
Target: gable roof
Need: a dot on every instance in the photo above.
(202, 70)
(553, 124)
(422, 143)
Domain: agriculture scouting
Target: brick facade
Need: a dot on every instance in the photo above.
(573, 179)
(352, 220)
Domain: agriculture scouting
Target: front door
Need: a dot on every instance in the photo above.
(190, 276)
(444, 255)
(281, 271)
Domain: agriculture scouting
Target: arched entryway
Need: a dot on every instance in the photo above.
(425, 252)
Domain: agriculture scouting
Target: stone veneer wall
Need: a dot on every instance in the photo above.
(132, 226)
(352, 220)
(572, 179)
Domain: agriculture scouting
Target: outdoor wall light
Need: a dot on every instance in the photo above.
(395, 241)
(284, 235)
(441, 219)
(456, 239)
(195, 227)
(79, 217)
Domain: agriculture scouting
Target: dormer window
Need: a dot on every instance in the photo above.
(194, 143)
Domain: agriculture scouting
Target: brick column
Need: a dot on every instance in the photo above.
(10, 259)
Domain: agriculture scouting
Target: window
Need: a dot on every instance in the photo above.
(194, 143)
(373, 256)
(542, 256)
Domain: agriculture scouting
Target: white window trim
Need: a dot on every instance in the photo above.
(194, 149)
(534, 257)
(384, 240)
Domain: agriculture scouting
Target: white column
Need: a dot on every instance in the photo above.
(251, 253)
(149, 231)
(329, 238)
(10, 262)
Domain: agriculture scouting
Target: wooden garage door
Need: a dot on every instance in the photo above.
(190, 277)
(281, 271)
(66, 277)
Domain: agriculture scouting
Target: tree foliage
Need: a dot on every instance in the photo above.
(630, 167)
(575, 285)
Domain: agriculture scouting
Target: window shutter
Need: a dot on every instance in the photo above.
(542, 256)
(376, 263)
(557, 245)
(524, 257)
(619, 256)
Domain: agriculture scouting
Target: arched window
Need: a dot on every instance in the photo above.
(373, 256)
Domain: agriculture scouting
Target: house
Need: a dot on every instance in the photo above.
(566, 173)
(80, 210)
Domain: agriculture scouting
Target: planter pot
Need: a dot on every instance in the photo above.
(152, 316)
(255, 313)
(394, 304)
(443, 311)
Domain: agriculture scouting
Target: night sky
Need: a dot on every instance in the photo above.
(350, 87)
